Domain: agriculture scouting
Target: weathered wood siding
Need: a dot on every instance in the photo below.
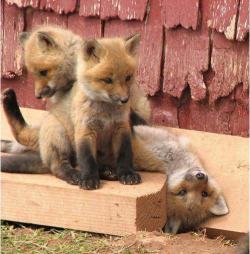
(193, 59)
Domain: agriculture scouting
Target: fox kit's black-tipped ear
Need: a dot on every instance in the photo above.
(23, 37)
(132, 42)
(92, 49)
(45, 40)
(220, 206)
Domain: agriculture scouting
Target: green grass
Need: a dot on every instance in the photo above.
(39, 240)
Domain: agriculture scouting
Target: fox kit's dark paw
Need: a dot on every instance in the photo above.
(108, 174)
(129, 177)
(89, 182)
(8, 96)
(73, 177)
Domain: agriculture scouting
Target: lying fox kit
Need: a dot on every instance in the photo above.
(192, 194)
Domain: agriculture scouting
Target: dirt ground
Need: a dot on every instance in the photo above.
(20, 239)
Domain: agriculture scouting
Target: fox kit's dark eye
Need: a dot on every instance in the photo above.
(43, 73)
(204, 194)
(128, 78)
(182, 192)
(107, 80)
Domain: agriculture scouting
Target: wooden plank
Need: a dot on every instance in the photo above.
(80, 25)
(13, 24)
(180, 12)
(150, 52)
(224, 16)
(226, 158)
(243, 24)
(24, 3)
(113, 209)
(229, 62)
(59, 6)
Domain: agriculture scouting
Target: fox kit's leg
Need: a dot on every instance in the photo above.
(24, 134)
(144, 158)
(56, 150)
(85, 140)
(122, 147)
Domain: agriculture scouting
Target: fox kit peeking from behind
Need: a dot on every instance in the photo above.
(192, 195)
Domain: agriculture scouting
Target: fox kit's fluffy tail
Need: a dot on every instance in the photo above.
(29, 162)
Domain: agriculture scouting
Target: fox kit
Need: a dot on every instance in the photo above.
(192, 195)
(100, 100)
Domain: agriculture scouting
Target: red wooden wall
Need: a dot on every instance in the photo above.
(193, 57)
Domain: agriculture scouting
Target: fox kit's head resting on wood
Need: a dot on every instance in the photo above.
(192, 194)
(49, 54)
(192, 197)
(106, 69)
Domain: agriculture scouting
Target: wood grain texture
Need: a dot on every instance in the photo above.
(243, 24)
(180, 12)
(107, 9)
(59, 6)
(113, 209)
(150, 51)
(224, 16)
(81, 26)
(12, 25)
(229, 62)
(24, 3)
(36, 18)
(90, 8)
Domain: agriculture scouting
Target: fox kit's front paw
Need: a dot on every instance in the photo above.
(73, 177)
(129, 177)
(89, 182)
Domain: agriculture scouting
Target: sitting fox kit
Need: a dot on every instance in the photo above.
(105, 73)
(192, 194)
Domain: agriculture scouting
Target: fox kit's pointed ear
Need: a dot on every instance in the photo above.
(92, 49)
(220, 206)
(132, 43)
(46, 41)
(23, 37)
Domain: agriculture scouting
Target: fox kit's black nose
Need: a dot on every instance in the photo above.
(200, 176)
(124, 100)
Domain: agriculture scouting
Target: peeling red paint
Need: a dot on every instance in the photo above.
(13, 24)
(180, 12)
(59, 6)
(229, 62)
(106, 9)
(36, 18)
(24, 3)
(243, 24)
(223, 17)
(80, 25)
(90, 8)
